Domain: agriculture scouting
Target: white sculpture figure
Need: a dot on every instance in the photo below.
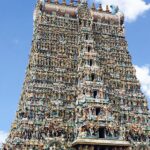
(91, 131)
(42, 1)
(83, 1)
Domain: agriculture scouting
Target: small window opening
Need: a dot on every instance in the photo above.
(101, 132)
(89, 48)
(84, 92)
(87, 36)
(98, 111)
(91, 63)
(80, 22)
(84, 23)
(92, 77)
(125, 117)
(94, 94)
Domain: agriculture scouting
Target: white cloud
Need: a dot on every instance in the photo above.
(131, 8)
(3, 136)
(143, 74)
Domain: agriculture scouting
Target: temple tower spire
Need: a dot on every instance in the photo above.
(80, 90)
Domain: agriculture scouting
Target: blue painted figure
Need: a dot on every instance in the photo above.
(114, 9)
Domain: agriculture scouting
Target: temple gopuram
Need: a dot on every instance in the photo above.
(80, 91)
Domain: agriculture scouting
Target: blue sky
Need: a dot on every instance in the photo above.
(16, 26)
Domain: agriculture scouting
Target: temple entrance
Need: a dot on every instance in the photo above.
(92, 77)
(99, 148)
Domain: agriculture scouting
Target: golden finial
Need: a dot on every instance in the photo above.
(64, 2)
(100, 8)
(107, 8)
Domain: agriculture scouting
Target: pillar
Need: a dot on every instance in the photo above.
(80, 147)
(91, 147)
(86, 147)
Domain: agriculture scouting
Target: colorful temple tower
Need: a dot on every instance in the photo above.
(80, 90)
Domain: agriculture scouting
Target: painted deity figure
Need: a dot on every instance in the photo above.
(114, 9)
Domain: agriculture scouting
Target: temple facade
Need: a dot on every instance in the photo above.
(80, 91)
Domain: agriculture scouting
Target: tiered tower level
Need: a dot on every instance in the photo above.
(80, 90)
